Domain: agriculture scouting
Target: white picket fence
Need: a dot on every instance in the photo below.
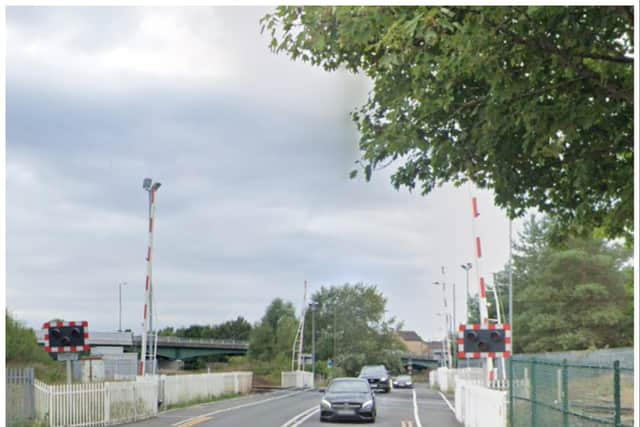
(186, 388)
(111, 403)
(96, 404)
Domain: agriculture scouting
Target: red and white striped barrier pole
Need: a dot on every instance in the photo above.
(484, 312)
(148, 289)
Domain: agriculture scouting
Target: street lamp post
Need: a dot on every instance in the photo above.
(455, 325)
(120, 285)
(149, 186)
(466, 267)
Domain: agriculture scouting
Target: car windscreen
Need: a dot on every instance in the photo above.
(349, 387)
(374, 370)
(404, 378)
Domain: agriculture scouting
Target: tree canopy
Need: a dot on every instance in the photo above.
(534, 102)
(272, 338)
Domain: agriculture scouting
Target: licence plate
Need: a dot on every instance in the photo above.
(345, 411)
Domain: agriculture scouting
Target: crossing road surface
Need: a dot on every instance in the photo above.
(301, 409)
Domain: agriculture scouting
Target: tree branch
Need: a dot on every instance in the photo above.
(619, 59)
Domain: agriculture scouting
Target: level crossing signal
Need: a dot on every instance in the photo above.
(476, 340)
(66, 337)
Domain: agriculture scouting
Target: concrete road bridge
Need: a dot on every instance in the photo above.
(176, 348)
(420, 362)
(171, 348)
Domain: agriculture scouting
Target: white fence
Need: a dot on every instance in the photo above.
(186, 388)
(96, 404)
(296, 379)
(110, 403)
(479, 406)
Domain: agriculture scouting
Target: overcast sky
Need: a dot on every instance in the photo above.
(253, 152)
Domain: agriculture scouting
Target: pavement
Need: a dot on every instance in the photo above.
(419, 407)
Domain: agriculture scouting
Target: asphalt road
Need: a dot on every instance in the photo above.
(301, 408)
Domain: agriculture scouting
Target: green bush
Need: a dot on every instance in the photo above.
(22, 350)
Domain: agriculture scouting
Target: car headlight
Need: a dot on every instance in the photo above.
(325, 403)
(408, 382)
(368, 404)
(383, 379)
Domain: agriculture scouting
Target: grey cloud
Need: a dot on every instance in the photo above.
(255, 198)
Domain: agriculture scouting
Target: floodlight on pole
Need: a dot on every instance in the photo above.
(151, 188)
(446, 326)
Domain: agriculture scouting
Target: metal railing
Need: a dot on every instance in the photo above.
(194, 341)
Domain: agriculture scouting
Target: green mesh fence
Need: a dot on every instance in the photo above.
(581, 389)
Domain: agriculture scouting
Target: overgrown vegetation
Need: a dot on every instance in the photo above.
(22, 350)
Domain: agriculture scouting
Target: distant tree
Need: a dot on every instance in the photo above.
(572, 294)
(533, 102)
(167, 332)
(238, 329)
(351, 327)
(271, 340)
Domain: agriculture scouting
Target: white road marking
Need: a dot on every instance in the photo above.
(448, 403)
(301, 417)
(233, 408)
(415, 410)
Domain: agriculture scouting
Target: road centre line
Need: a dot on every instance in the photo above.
(195, 421)
(301, 417)
(415, 410)
(448, 403)
(233, 408)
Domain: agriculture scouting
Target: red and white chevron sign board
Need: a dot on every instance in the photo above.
(66, 349)
(491, 326)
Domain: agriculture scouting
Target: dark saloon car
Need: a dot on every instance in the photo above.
(403, 381)
(349, 399)
(378, 377)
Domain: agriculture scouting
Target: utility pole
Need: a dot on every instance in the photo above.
(446, 318)
(455, 325)
(510, 285)
(466, 267)
(313, 306)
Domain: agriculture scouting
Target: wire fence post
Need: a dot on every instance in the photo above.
(616, 393)
(533, 393)
(565, 393)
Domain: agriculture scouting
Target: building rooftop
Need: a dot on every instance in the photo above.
(409, 336)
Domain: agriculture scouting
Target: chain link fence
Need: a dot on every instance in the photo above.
(572, 389)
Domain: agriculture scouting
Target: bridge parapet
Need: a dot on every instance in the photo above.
(164, 341)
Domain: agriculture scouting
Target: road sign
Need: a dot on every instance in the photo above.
(330, 363)
(67, 356)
